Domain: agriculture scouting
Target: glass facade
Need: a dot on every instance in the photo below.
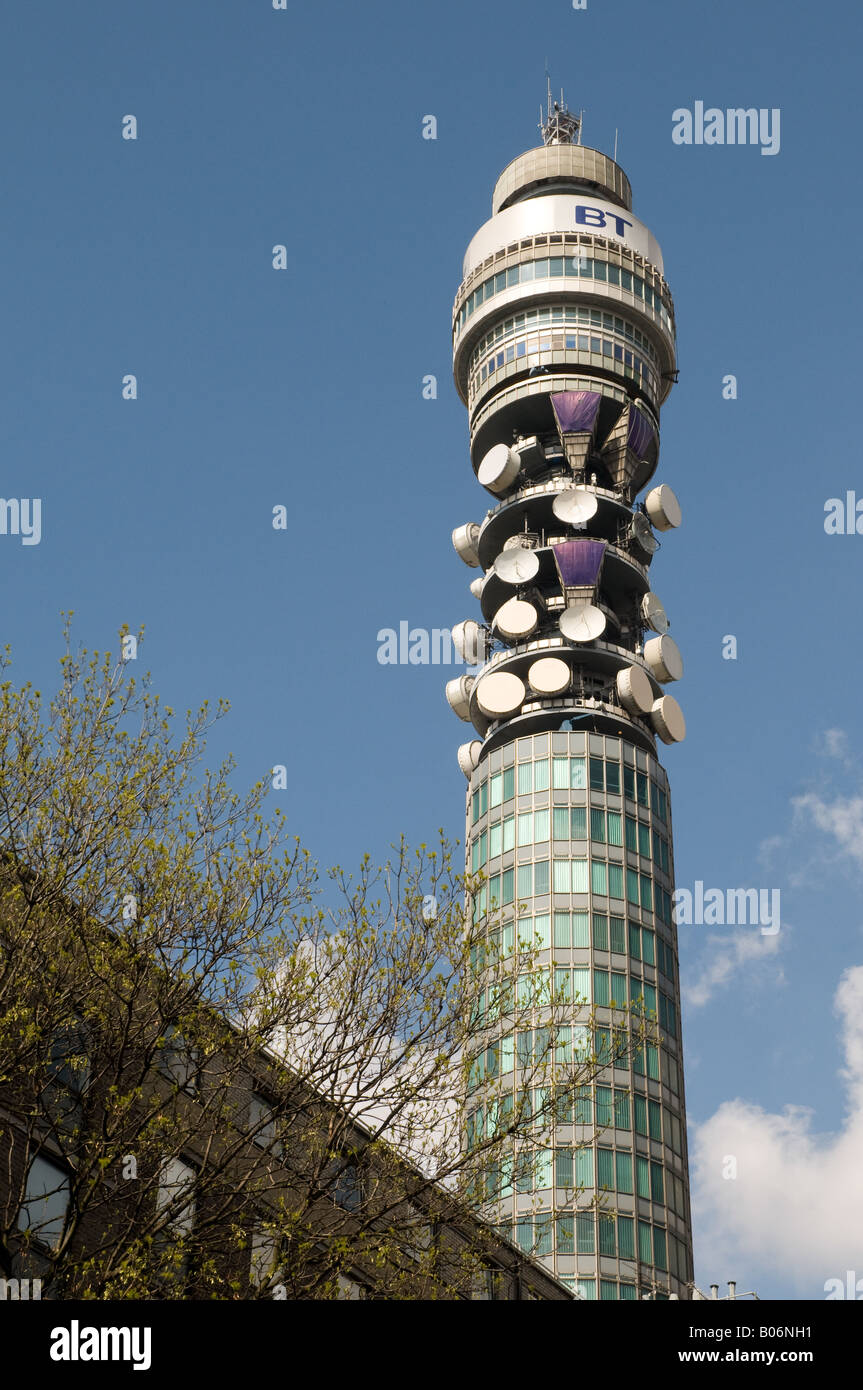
(573, 334)
(571, 835)
(580, 266)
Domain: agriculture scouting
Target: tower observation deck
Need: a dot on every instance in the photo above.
(563, 353)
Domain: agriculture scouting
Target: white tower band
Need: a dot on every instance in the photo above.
(563, 353)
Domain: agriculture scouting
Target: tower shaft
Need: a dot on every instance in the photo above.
(564, 352)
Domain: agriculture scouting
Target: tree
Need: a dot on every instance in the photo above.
(223, 1074)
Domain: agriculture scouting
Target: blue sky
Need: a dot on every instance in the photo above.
(303, 388)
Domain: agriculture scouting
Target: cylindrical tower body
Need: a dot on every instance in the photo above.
(563, 352)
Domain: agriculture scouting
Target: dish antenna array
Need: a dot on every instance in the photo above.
(554, 594)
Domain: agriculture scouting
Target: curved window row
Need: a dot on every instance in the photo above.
(608, 1289)
(529, 348)
(575, 314)
(580, 267)
(605, 1106)
(571, 876)
(569, 774)
(602, 1233)
(571, 931)
(563, 823)
(574, 985)
(567, 1168)
(560, 328)
(535, 1046)
(598, 876)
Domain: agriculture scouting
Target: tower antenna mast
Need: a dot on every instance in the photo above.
(560, 125)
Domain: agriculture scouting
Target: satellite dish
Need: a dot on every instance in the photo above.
(464, 539)
(468, 757)
(458, 695)
(500, 693)
(574, 506)
(476, 585)
(662, 655)
(549, 676)
(469, 641)
(653, 613)
(499, 469)
(582, 622)
(635, 690)
(517, 566)
(516, 619)
(667, 719)
(642, 533)
(663, 508)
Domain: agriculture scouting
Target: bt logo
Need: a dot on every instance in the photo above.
(595, 217)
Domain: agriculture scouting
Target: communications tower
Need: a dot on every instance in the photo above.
(563, 353)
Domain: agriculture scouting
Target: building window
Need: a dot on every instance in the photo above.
(632, 887)
(175, 1180)
(264, 1270)
(544, 1232)
(46, 1202)
(418, 1231)
(346, 1187)
(584, 1231)
(659, 1247)
(657, 1191)
(263, 1121)
(624, 1171)
(348, 1289)
(565, 1235)
(68, 1075)
(621, 1111)
(618, 935)
(177, 1061)
(69, 1066)
(654, 1111)
(645, 1243)
(647, 941)
(626, 1237)
(599, 877)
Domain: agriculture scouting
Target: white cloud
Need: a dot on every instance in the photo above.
(725, 956)
(793, 1216)
(835, 744)
(842, 819)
